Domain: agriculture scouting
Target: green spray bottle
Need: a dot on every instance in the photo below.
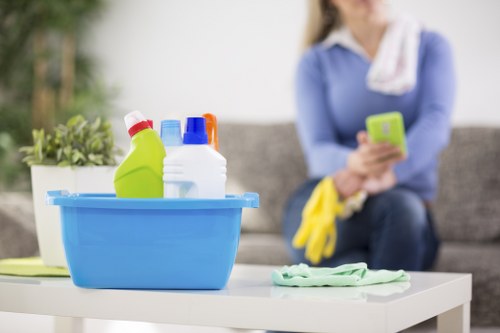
(140, 175)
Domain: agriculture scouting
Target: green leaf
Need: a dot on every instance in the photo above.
(38, 151)
(67, 152)
(74, 121)
(79, 128)
(28, 150)
(78, 158)
(64, 163)
(29, 160)
(96, 159)
(59, 153)
(96, 145)
(96, 124)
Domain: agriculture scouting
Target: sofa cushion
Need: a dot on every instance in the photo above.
(480, 260)
(468, 206)
(262, 249)
(17, 225)
(266, 159)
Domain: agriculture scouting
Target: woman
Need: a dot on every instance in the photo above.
(363, 60)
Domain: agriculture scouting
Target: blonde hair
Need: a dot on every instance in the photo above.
(323, 17)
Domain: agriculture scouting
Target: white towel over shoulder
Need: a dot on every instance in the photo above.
(394, 69)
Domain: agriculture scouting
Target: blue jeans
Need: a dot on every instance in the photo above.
(394, 230)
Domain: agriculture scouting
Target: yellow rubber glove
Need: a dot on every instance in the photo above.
(317, 231)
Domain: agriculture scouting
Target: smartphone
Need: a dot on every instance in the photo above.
(387, 127)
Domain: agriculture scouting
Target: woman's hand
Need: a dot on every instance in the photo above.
(373, 159)
(382, 183)
(348, 182)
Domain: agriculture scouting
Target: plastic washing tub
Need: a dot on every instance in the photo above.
(150, 243)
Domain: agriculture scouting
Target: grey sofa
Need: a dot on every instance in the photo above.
(267, 159)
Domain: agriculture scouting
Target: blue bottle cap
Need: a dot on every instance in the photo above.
(171, 133)
(196, 133)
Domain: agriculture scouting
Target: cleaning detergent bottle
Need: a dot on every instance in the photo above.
(195, 170)
(171, 134)
(213, 136)
(140, 173)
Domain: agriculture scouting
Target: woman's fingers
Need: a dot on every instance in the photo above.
(389, 157)
(379, 169)
(378, 157)
(373, 158)
(374, 150)
(362, 138)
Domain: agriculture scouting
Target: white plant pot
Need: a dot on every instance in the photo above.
(92, 179)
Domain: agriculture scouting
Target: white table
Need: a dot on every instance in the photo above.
(250, 301)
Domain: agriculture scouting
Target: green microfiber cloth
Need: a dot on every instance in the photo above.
(346, 275)
(30, 267)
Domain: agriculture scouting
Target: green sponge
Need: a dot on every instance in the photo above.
(30, 267)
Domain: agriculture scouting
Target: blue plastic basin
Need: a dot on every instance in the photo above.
(150, 243)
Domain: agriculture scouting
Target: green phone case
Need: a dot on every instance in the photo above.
(387, 127)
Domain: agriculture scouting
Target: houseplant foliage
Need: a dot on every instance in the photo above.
(76, 143)
(46, 76)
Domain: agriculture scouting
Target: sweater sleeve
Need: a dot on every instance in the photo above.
(324, 155)
(431, 130)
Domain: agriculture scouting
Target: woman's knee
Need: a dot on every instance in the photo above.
(406, 208)
(400, 225)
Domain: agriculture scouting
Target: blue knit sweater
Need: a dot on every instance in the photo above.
(333, 102)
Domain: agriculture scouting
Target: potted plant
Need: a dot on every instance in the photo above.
(78, 156)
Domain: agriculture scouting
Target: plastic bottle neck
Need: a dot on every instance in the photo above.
(140, 126)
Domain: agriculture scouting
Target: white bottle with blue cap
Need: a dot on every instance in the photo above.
(195, 170)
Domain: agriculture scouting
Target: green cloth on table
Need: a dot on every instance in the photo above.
(30, 267)
(346, 275)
